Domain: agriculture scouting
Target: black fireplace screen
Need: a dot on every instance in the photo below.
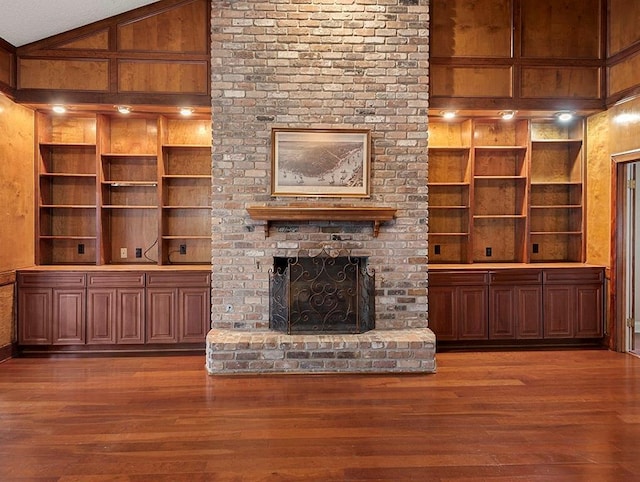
(321, 294)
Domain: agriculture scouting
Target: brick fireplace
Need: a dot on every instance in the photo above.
(357, 64)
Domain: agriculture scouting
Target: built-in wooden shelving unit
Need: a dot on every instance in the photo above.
(123, 189)
(506, 191)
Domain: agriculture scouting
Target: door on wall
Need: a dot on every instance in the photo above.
(631, 275)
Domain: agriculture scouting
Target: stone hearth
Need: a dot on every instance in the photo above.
(378, 351)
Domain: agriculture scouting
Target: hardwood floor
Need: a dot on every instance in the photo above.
(537, 415)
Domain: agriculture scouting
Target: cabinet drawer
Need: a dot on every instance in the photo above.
(457, 278)
(179, 279)
(115, 280)
(517, 276)
(53, 279)
(573, 276)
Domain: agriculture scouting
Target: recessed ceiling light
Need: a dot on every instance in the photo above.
(448, 114)
(564, 116)
(59, 109)
(124, 109)
(186, 111)
(507, 114)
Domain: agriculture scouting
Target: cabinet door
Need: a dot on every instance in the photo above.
(589, 311)
(130, 315)
(473, 312)
(34, 316)
(162, 316)
(101, 316)
(194, 314)
(503, 312)
(574, 303)
(515, 312)
(529, 312)
(558, 311)
(442, 312)
(68, 317)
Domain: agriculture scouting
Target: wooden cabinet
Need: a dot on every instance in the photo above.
(118, 309)
(51, 316)
(516, 305)
(115, 308)
(458, 305)
(123, 189)
(68, 316)
(178, 307)
(51, 308)
(573, 303)
(35, 314)
(163, 315)
(505, 191)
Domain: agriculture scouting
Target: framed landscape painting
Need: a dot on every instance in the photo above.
(320, 162)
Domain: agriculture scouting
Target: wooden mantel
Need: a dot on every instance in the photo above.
(305, 212)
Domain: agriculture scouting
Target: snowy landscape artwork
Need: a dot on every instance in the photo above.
(320, 162)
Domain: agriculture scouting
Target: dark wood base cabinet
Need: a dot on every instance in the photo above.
(113, 310)
(517, 306)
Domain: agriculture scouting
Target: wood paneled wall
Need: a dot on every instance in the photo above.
(16, 207)
(517, 54)
(7, 67)
(624, 50)
(7, 313)
(607, 136)
(157, 55)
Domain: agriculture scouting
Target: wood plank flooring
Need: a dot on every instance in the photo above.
(535, 415)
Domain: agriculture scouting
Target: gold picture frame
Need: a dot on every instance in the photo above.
(320, 162)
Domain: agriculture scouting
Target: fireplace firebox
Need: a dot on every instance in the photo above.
(321, 294)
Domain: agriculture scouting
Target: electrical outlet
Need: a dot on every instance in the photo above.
(488, 252)
(183, 249)
(536, 248)
(436, 249)
(123, 253)
(138, 252)
(80, 248)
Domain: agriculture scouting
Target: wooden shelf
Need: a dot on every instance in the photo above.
(373, 214)
(106, 182)
(522, 182)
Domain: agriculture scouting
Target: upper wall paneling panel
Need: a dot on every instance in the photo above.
(179, 29)
(517, 54)
(156, 55)
(471, 28)
(561, 29)
(624, 18)
(471, 81)
(623, 76)
(96, 41)
(163, 77)
(560, 82)
(6, 60)
(88, 75)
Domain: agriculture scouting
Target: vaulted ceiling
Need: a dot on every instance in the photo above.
(26, 21)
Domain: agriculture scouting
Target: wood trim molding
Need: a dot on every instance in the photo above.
(7, 352)
(374, 214)
(7, 278)
(616, 322)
